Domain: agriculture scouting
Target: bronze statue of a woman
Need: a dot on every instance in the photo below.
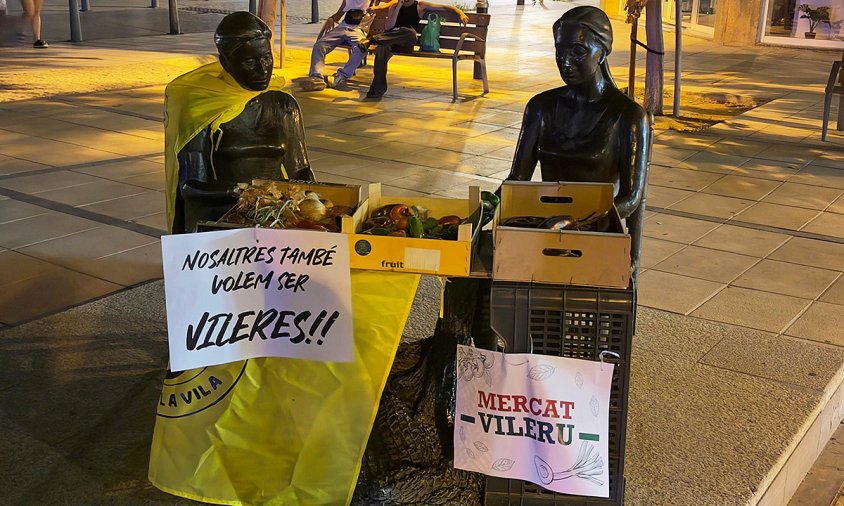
(229, 122)
(587, 130)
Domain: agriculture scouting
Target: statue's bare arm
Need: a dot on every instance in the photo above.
(196, 175)
(525, 158)
(632, 177)
(296, 156)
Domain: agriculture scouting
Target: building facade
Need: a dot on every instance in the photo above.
(798, 23)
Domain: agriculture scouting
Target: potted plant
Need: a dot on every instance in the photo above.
(815, 15)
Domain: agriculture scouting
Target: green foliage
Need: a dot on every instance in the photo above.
(464, 7)
(634, 9)
(815, 15)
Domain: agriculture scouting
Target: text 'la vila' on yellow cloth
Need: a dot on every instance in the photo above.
(282, 431)
(202, 97)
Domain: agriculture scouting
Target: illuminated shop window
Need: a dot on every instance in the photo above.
(812, 23)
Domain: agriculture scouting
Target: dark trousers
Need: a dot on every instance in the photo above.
(396, 40)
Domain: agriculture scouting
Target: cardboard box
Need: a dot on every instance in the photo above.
(566, 257)
(407, 254)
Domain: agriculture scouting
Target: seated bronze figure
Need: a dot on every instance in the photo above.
(229, 122)
(588, 130)
(585, 131)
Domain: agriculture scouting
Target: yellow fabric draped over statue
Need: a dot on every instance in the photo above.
(282, 431)
(202, 97)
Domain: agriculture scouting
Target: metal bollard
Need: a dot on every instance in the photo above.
(253, 7)
(153, 4)
(314, 11)
(84, 7)
(678, 61)
(75, 25)
(174, 17)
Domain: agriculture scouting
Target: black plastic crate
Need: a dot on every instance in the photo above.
(576, 322)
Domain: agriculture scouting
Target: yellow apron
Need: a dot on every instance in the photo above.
(202, 97)
(282, 431)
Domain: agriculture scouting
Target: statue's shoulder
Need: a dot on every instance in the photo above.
(194, 77)
(629, 109)
(546, 98)
(278, 95)
(278, 98)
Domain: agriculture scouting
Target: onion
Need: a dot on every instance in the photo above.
(312, 209)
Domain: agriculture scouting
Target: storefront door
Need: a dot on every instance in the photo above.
(698, 15)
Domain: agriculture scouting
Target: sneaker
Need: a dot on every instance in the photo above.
(339, 82)
(375, 95)
(40, 44)
(313, 84)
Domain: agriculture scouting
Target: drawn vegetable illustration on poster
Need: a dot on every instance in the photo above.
(537, 418)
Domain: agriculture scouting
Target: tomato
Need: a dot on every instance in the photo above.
(399, 211)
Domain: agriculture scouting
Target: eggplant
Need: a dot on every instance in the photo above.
(562, 222)
(523, 221)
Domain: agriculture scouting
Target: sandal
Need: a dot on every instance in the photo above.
(40, 44)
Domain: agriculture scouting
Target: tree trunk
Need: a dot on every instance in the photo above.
(631, 71)
(282, 37)
(654, 71)
(267, 10)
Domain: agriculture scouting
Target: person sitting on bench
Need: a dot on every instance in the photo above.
(402, 28)
(348, 32)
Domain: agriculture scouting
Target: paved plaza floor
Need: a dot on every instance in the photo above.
(737, 372)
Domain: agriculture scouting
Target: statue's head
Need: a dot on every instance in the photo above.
(244, 44)
(583, 38)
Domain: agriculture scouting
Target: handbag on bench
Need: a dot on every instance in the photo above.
(429, 39)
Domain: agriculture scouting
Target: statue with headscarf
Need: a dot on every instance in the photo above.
(229, 122)
(588, 130)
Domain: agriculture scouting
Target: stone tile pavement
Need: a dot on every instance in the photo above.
(742, 289)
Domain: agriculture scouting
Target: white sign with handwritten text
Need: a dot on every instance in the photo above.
(253, 292)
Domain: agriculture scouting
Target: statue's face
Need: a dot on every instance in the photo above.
(579, 55)
(250, 64)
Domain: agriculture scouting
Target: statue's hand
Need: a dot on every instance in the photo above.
(235, 191)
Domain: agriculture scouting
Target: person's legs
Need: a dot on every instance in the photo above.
(379, 70)
(353, 37)
(36, 19)
(323, 46)
(400, 39)
(26, 18)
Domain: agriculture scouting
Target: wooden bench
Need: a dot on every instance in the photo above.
(457, 43)
(834, 86)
